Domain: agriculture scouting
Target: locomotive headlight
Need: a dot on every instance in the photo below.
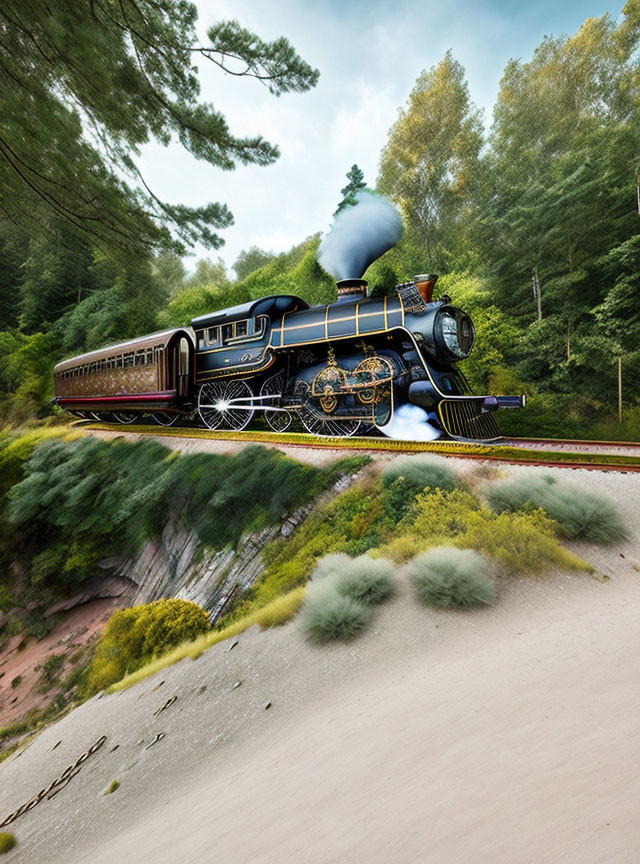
(455, 333)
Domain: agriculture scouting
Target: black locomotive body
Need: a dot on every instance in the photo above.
(338, 369)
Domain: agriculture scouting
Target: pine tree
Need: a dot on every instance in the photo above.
(84, 85)
(356, 184)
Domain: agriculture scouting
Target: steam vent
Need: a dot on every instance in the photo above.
(351, 289)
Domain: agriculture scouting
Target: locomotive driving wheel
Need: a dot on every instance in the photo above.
(124, 417)
(164, 418)
(279, 420)
(226, 404)
(333, 427)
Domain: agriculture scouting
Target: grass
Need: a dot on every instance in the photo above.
(421, 471)
(328, 615)
(579, 513)
(497, 452)
(5, 752)
(274, 614)
(115, 784)
(451, 578)
(7, 842)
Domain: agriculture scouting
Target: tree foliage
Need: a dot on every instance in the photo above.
(356, 184)
(430, 162)
(83, 86)
(250, 260)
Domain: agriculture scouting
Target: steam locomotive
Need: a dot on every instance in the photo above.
(340, 369)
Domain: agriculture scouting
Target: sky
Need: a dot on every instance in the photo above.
(369, 55)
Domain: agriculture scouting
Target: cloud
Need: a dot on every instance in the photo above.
(369, 55)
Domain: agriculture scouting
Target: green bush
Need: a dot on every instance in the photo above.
(327, 615)
(367, 580)
(134, 636)
(14, 626)
(115, 784)
(520, 541)
(448, 578)
(50, 668)
(578, 512)
(421, 471)
(7, 842)
(330, 565)
(65, 505)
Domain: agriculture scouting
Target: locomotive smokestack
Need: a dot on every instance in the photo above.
(351, 289)
(425, 283)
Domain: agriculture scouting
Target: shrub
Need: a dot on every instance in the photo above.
(366, 580)
(115, 784)
(327, 615)
(440, 515)
(330, 565)
(403, 548)
(578, 512)
(274, 614)
(7, 842)
(448, 578)
(14, 626)
(16, 682)
(520, 541)
(136, 635)
(421, 471)
(51, 666)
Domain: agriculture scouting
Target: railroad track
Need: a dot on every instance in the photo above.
(593, 455)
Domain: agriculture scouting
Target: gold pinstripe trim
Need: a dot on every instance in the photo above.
(239, 365)
(228, 348)
(357, 319)
(383, 311)
(243, 369)
(333, 320)
(347, 336)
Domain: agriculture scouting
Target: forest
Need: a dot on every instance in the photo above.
(531, 220)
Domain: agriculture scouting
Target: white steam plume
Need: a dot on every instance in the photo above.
(358, 235)
(410, 423)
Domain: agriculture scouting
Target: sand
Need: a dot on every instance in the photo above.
(505, 735)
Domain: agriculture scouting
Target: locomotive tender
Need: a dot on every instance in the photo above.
(340, 368)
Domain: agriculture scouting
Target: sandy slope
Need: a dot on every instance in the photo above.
(508, 735)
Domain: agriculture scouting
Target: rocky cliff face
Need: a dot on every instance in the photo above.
(174, 566)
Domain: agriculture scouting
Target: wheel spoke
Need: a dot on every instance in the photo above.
(215, 404)
(279, 419)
